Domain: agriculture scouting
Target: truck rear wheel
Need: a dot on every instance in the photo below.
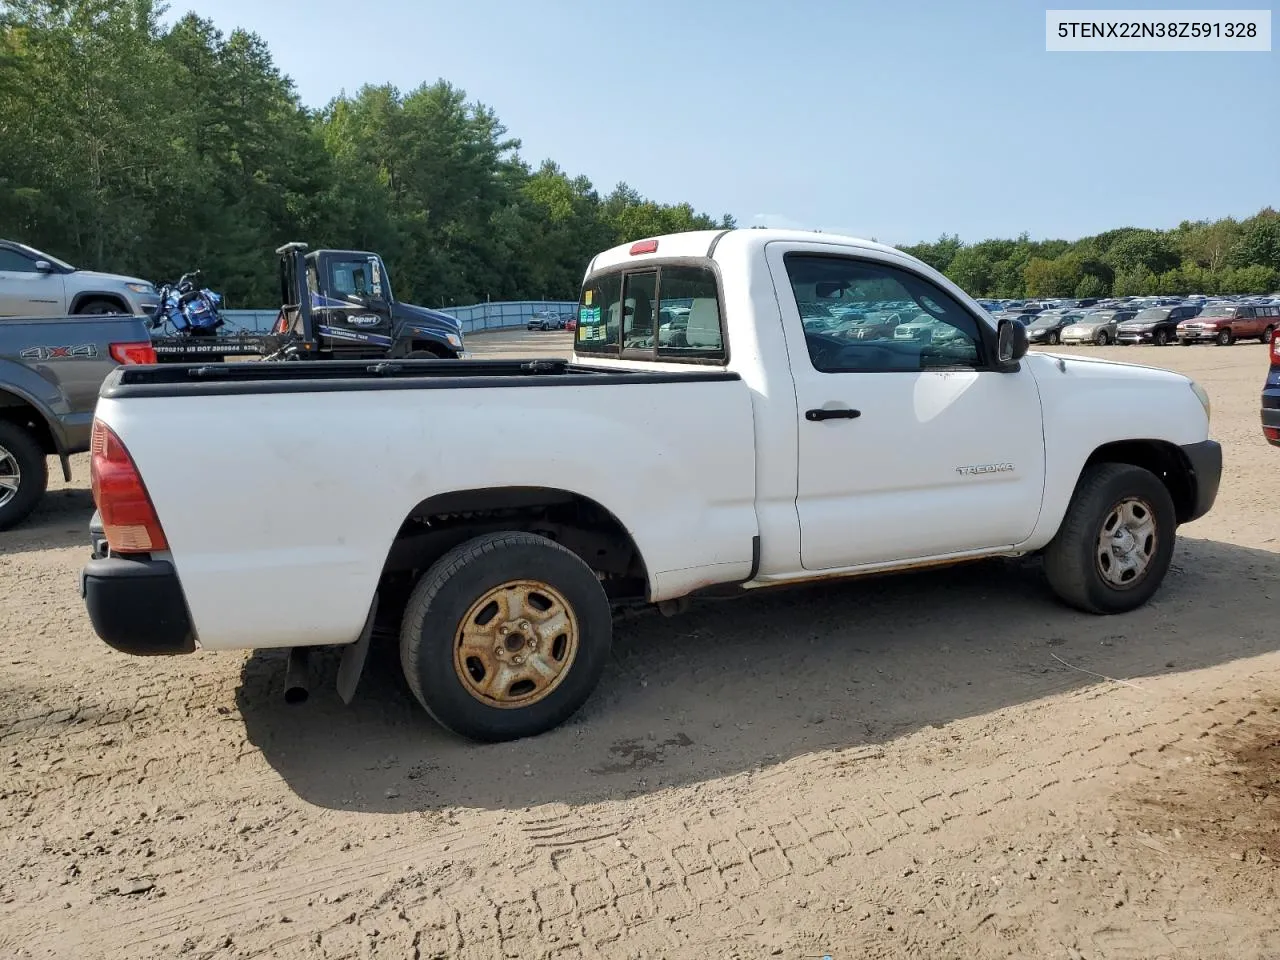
(1116, 541)
(505, 636)
(24, 474)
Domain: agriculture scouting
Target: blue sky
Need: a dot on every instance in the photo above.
(895, 120)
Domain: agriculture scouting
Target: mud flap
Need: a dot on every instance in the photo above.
(353, 657)
(66, 467)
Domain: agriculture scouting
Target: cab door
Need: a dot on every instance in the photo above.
(351, 306)
(911, 445)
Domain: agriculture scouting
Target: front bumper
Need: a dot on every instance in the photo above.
(1205, 460)
(136, 605)
(1197, 334)
(1135, 336)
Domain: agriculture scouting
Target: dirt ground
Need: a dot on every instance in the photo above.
(942, 764)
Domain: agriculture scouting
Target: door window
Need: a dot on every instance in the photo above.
(16, 262)
(356, 279)
(868, 317)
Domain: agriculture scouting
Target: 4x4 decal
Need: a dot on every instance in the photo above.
(81, 351)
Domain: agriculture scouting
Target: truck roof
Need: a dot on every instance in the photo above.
(700, 243)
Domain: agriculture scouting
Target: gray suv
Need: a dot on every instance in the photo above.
(35, 284)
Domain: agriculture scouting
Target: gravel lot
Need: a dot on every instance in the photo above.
(933, 765)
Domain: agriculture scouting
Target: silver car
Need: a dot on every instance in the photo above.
(1097, 327)
(35, 284)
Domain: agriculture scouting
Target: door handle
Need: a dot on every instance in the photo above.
(813, 416)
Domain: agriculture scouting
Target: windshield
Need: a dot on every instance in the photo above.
(1153, 314)
(1218, 311)
(35, 254)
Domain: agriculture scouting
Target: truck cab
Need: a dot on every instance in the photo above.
(340, 305)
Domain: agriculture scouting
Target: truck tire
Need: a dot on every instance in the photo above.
(21, 460)
(1266, 334)
(505, 636)
(1225, 338)
(1115, 543)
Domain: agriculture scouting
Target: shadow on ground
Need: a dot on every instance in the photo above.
(60, 520)
(735, 685)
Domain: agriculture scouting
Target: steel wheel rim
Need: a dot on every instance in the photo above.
(1127, 543)
(10, 477)
(516, 644)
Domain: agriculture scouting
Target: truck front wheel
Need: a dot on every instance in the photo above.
(24, 474)
(1116, 541)
(505, 636)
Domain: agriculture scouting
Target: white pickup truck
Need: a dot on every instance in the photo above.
(744, 409)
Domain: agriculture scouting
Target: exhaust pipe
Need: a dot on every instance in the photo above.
(296, 687)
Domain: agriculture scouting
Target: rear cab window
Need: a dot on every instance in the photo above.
(668, 312)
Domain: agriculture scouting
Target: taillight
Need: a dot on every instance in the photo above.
(129, 521)
(644, 246)
(1275, 347)
(1272, 434)
(133, 352)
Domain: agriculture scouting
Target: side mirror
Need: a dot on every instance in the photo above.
(1011, 344)
(44, 266)
(828, 290)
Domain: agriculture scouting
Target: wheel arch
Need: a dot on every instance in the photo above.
(581, 524)
(1160, 457)
(82, 298)
(19, 409)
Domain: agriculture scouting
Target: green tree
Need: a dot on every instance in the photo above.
(971, 269)
(938, 254)
(1090, 286)
(1259, 242)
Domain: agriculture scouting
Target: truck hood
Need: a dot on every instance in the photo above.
(429, 319)
(1089, 368)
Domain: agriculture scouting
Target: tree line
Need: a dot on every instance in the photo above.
(132, 146)
(1219, 256)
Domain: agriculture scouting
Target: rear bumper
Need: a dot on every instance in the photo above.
(1205, 459)
(137, 606)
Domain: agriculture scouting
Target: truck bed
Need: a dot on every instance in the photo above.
(312, 469)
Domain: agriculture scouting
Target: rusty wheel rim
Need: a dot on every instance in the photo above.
(516, 644)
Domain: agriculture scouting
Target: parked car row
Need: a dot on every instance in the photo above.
(1221, 322)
